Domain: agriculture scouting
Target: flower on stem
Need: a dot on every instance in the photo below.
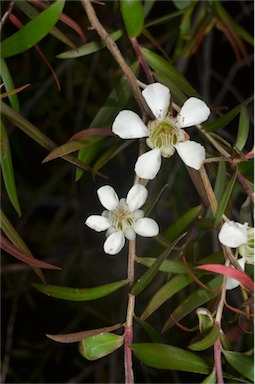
(241, 237)
(122, 218)
(165, 133)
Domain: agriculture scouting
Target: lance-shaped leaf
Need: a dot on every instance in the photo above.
(240, 276)
(7, 168)
(174, 285)
(243, 128)
(225, 199)
(169, 266)
(196, 299)
(88, 48)
(74, 337)
(142, 283)
(133, 16)
(211, 379)
(21, 255)
(151, 332)
(95, 347)
(164, 356)
(33, 31)
(207, 341)
(242, 363)
(8, 84)
(165, 72)
(80, 294)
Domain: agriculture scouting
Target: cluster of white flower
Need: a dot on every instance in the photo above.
(124, 218)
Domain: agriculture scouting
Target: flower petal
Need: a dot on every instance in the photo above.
(128, 125)
(136, 197)
(191, 153)
(146, 227)
(157, 96)
(130, 234)
(98, 223)
(108, 197)
(114, 243)
(194, 111)
(233, 283)
(233, 234)
(148, 164)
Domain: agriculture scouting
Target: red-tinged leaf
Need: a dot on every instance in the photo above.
(64, 18)
(92, 132)
(78, 336)
(14, 91)
(242, 277)
(21, 255)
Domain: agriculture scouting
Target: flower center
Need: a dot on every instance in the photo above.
(121, 218)
(164, 135)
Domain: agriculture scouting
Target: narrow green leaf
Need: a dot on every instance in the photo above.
(133, 17)
(164, 356)
(142, 283)
(169, 266)
(182, 223)
(219, 186)
(225, 199)
(243, 128)
(166, 18)
(80, 294)
(154, 336)
(31, 12)
(88, 48)
(173, 79)
(33, 31)
(7, 168)
(174, 285)
(8, 84)
(193, 301)
(95, 347)
(224, 120)
(211, 379)
(207, 341)
(242, 363)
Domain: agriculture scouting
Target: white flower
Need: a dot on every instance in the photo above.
(123, 218)
(165, 133)
(240, 236)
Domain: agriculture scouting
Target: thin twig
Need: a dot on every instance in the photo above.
(113, 48)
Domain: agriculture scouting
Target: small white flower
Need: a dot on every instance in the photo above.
(240, 236)
(165, 133)
(123, 218)
(233, 234)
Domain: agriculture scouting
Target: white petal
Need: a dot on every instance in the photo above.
(128, 125)
(114, 243)
(194, 111)
(146, 227)
(148, 164)
(157, 96)
(233, 234)
(191, 153)
(130, 234)
(233, 283)
(108, 197)
(98, 223)
(136, 197)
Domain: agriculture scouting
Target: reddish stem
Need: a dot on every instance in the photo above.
(217, 361)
